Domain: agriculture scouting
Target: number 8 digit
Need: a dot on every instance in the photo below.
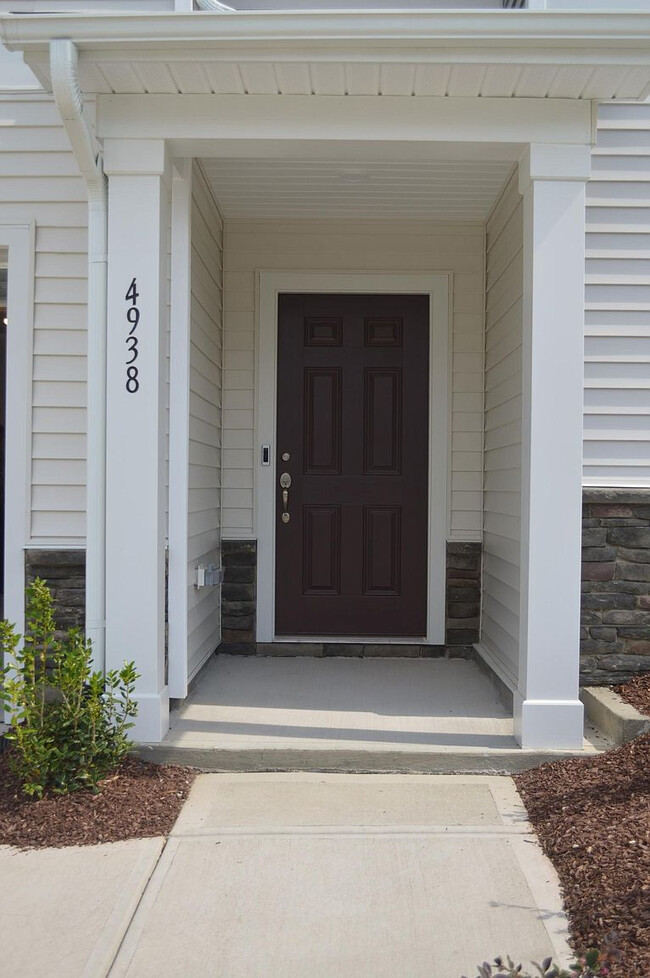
(132, 383)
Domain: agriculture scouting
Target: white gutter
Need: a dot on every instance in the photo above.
(65, 85)
(542, 30)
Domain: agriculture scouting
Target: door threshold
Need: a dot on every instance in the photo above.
(348, 640)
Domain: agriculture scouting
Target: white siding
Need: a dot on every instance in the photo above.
(502, 458)
(617, 318)
(205, 420)
(39, 181)
(345, 246)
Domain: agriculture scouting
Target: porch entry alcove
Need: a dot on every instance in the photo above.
(440, 156)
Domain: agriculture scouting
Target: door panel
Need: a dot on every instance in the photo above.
(353, 395)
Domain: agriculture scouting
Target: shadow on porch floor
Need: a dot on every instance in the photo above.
(257, 713)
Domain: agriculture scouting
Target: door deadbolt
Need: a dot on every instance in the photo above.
(285, 481)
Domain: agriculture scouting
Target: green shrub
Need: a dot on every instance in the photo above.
(69, 724)
(592, 964)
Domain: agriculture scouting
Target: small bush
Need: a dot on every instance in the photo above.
(69, 724)
(592, 964)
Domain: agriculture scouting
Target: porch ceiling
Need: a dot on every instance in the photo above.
(461, 190)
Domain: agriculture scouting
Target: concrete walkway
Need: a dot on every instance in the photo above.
(295, 876)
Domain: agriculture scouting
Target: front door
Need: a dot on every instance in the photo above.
(352, 465)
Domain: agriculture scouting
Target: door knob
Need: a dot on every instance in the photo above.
(285, 484)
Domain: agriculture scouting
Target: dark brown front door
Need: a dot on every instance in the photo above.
(353, 393)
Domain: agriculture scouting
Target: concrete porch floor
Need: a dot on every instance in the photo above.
(345, 714)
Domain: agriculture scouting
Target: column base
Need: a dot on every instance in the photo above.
(548, 724)
(152, 721)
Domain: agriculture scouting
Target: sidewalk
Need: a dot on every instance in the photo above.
(298, 876)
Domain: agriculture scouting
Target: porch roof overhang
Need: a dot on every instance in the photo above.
(495, 54)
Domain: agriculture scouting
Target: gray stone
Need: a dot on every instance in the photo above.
(238, 592)
(591, 646)
(455, 594)
(594, 538)
(639, 648)
(290, 648)
(626, 618)
(463, 562)
(238, 607)
(234, 574)
(432, 651)
(602, 634)
(607, 601)
(601, 554)
(391, 651)
(623, 663)
(626, 571)
(629, 536)
(635, 631)
(598, 571)
(590, 618)
(635, 556)
(237, 636)
(347, 649)
(241, 622)
(622, 587)
(461, 636)
(459, 610)
(456, 547)
(231, 548)
(628, 521)
(600, 495)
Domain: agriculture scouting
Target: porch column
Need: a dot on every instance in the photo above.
(552, 179)
(135, 508)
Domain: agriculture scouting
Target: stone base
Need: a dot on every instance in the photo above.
(64, 572)
(463, 601)
(615, 633)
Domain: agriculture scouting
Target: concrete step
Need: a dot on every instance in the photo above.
(385, 715)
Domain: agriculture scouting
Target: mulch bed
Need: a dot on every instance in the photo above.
(138, 800)
(636, 692)
(592, 816)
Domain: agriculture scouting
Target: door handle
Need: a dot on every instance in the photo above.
(285, 483)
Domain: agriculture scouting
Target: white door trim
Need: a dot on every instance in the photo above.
(437, 285)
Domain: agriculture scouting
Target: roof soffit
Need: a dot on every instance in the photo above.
(493, 53)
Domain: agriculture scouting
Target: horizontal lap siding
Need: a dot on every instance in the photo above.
(502, 459)
(617, 318)
(303, 245)
(205, 420)
(40, 182)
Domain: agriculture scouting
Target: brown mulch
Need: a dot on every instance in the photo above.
(136, 801)
(636, 692)
(592, 816)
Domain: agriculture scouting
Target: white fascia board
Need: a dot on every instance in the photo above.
(390, 118)
(534, 35)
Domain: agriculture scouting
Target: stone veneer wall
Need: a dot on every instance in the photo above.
(615, 634)
(238, 595)
(238, 608)
(64, 572)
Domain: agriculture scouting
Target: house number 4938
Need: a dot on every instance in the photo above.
(133, 318)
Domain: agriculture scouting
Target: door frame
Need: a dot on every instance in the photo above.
(437, 285)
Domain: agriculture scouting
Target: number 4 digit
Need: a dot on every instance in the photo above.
(132, 294)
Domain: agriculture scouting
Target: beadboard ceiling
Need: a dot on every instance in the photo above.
(436, 190)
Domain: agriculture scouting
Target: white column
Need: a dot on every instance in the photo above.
(548, 713)
(135, 509)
